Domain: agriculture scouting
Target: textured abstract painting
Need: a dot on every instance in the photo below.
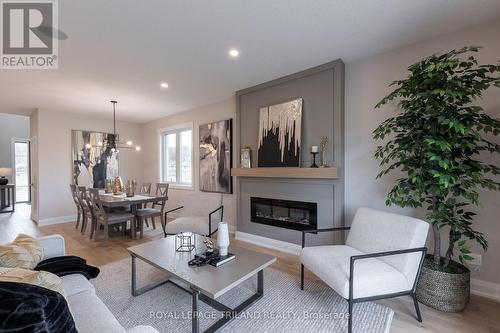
(216, 157)
(92, 163)
(280, 134)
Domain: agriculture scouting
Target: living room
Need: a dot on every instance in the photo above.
(194, 166)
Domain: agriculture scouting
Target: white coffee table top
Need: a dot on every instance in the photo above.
(211, 281)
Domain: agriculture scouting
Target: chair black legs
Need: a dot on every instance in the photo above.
(349, 325)
(417, 309)
(301, 277)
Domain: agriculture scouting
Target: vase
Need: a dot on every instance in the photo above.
(223, 238)
(118, 186)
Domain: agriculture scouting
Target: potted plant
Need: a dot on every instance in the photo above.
(436, 142)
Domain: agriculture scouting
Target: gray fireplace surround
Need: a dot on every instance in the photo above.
(322, 91)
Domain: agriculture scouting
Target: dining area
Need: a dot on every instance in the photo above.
(119, 210)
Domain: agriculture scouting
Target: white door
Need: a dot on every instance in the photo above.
(34, 178)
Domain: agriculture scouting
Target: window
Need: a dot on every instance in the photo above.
(177, 155)
(21, 156)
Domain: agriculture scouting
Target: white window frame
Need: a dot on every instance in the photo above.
(177, 129)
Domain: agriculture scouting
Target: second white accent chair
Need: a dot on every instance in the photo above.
(382, 258)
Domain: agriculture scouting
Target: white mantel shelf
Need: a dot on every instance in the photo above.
(304, 173)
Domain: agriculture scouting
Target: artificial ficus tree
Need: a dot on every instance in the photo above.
(436, 141)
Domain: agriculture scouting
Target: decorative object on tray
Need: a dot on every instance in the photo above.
(4, 172)
(118, 186)
(246, 157)
(216, 157)
(212, 258)
(92, 163)
(209, 244)
(130, 188)
(223, 238)
(323, 143)
(110, 183)
(280, 134)
(314, 152)
(184, 242)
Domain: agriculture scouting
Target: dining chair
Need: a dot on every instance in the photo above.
(152, 213)
(89, 212)
(161, 191)
(145, 189)
(108, 219)
(77, 204)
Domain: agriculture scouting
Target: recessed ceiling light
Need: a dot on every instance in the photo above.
(234, 53)
(164, 85)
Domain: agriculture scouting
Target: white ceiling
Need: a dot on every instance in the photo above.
(123, 49)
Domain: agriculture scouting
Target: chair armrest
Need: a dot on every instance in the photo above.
(313, 231)
(53, 246)
(173, 210)
(221, 208)
(385, 254)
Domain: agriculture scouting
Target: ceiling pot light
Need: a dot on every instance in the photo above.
(234, 53)
(164, 85)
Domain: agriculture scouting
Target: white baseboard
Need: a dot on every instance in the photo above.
(485, 289)
(269, 243)
(57, 220)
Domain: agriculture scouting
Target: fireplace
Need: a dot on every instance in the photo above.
(296, 215)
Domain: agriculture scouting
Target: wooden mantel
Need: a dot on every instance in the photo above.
(305, 173)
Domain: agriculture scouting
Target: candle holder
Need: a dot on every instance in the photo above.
(314, 165)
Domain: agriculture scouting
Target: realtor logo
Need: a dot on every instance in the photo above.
(28, 34)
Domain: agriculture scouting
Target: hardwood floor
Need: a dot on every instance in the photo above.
(481, 316)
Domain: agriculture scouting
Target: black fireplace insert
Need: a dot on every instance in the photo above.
(296, 215)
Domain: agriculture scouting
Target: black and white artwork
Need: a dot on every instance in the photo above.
(216, 157)
(280, 134)
(93, 162)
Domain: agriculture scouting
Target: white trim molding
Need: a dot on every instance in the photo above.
(485, 289)
(57, 220)
(269, 243)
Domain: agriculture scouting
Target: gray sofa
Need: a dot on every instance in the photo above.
(89, 312)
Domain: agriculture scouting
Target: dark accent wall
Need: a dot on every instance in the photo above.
(322, 90)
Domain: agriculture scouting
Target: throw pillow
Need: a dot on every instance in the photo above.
(42, 279)
(29, 308)
(24, 252)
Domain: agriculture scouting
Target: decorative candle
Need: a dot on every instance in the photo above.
(314, 149)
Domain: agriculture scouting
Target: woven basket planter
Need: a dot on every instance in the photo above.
(444, 291)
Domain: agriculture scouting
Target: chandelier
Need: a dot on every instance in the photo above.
(111, 140)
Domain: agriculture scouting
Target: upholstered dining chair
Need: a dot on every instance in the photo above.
(382, 258)
(198, 216)
(79, 208)
(144, 213)
(108, 219)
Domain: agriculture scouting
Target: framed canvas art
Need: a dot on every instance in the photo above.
(280, 134)
(216, 156)
(92, 163)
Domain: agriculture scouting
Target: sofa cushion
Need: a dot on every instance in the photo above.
(196, 224)
(91, 315)
(378, 231)
(76, 283)
(24, 252)
(372, 277)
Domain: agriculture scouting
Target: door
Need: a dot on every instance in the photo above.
(34, 178)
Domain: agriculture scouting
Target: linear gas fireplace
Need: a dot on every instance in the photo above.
(296, 215)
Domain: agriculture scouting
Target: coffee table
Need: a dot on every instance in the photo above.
(206, 283)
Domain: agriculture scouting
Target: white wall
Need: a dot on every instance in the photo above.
(366, 84)
(151, 163)
(55, 165)
(11, 127)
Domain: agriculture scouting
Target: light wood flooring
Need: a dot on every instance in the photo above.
(481, 316)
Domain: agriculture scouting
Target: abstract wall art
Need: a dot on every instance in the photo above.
(216, 157)
(280, 134)
(92, 162)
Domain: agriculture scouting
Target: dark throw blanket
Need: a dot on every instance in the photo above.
(26, 308)
(66, 265)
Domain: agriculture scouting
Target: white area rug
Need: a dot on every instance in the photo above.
(284, 307)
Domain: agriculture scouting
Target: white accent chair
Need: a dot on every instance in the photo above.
(200, 213)
(382, 258)
(88, 311)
